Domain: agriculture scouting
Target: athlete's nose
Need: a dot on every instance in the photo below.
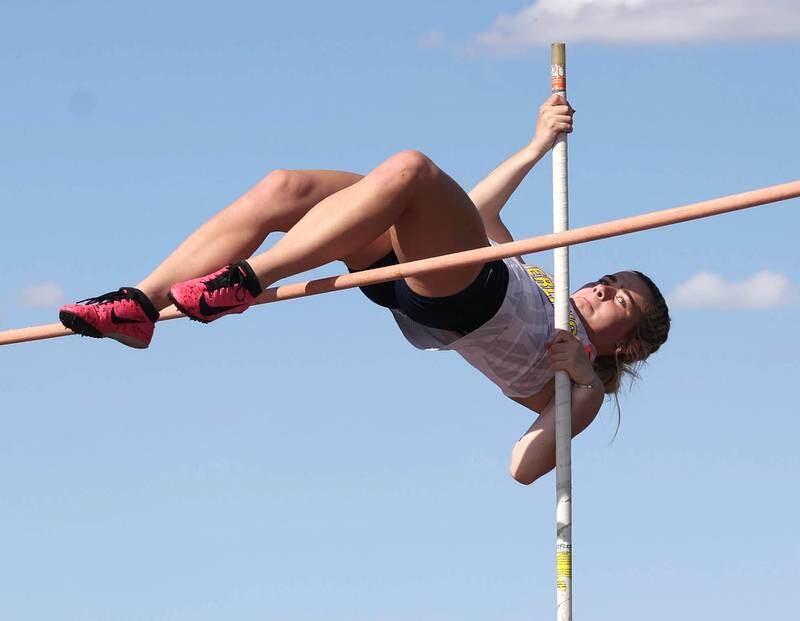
(602, 292)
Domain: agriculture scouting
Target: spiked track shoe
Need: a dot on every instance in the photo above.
(227, 291)
(126, 315)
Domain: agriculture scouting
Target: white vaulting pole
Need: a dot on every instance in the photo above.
(558, 75)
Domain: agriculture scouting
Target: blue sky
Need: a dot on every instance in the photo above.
(302, 460)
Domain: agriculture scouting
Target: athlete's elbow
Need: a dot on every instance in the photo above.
(522, 475)
(527, 465)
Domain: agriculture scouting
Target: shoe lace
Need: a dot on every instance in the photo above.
(234, 277)
(107, 298)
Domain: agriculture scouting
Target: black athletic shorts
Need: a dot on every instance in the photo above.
(461, 312)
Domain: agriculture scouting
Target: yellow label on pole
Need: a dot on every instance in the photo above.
(564, 564)
(563, 567)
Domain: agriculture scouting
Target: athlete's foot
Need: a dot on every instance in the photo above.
(125, 315)
(229, 290)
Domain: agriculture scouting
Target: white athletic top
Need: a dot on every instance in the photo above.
(509, 348)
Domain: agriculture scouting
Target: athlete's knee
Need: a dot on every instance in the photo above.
(273, 201)
(290, 184)
(410, 167)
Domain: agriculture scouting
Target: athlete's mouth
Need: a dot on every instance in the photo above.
(583, 302)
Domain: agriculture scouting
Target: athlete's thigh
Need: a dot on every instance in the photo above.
(316, 185)
(442, 220)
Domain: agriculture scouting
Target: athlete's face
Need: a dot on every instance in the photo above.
(610, 308)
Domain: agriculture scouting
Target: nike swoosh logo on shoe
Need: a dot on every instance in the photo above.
(206, 309)
(116, 319)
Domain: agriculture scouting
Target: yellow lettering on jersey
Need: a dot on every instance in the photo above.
(545, 283)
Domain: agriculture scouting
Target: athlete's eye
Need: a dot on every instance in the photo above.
(622, 301)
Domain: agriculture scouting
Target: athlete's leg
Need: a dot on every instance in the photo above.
(426, 212)
(276, 203)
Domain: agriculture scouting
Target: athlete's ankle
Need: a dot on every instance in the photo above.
(255, 276)
(158, 301)
(266, 273)
(146, 302)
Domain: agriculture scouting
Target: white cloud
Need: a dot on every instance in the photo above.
(641, 22)
(45, 295)
(763, 290)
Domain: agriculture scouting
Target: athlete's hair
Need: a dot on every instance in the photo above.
(647, 336)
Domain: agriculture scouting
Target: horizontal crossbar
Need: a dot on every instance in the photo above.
(623, 226)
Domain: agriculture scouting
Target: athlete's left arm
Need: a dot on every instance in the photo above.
(534, 455)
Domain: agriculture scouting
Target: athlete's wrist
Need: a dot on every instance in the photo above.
(592, 384)
(537, 148)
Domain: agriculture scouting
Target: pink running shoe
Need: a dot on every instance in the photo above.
(229, 290)
(126, 315)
